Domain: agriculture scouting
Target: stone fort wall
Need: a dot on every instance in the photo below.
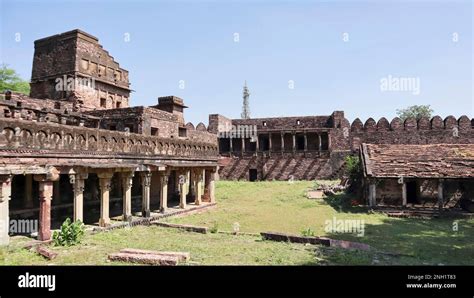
(411, 131)
(345, 139)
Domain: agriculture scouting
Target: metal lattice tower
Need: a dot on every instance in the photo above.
(245, 107)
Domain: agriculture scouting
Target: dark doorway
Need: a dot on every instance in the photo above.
(253, 175)
(264, 143)
(224, 145)
(324, 142)
(412, 192)
(173, 189)
(251, 146)
(299, 143)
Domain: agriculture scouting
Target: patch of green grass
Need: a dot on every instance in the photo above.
(270, 206)
(281, 207)
(205, 249)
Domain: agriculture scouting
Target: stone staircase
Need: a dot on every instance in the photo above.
(274, 167)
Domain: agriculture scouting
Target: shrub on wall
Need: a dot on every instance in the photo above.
(354, 173)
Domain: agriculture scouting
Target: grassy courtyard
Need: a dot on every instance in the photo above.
(282, 207)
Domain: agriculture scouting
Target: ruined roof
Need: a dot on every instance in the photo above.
(286, 122)
(69, 34)
(422, 161)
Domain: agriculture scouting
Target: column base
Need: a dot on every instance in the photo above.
(127, 217)
(163, 210)
(4, 241)
(44, 236)
(104, 222)
(146, 213)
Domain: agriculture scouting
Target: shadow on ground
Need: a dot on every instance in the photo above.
(407, 241)
(344, 202)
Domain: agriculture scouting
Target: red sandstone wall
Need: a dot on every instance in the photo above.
(278, 167)
(424, 131)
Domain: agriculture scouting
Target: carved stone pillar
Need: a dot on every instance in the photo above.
(78, 180)
(372, 194)
(164, 176)
(329, 141)
(127, 182)
(105, 186)
(212, 189)
(45, 197)
(192, 183)
(5, 195)
(305, 142)
(320, 145)
(404, 194)
(182, 180)
(257, 146)
(146, 182)
(282, 142)
(209, 186)
(188, 182)
(46, 182)
(294, 141)
(270, 142)
(198, 186)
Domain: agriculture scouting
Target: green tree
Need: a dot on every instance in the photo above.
(415, 112)
(354, 173)
(10, 80)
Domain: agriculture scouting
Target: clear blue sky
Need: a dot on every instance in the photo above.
(279, 41)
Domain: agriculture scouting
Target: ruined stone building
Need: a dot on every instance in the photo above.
(315, 147)
(302, 148)
(431, 175)
(75, 148)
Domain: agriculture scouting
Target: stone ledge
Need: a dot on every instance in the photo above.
(147, 221)
(274, 236)
(189, 228)
(314, 240)
(182, 256)
(148, 259)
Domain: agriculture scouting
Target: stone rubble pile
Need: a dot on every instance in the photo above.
(329, 190)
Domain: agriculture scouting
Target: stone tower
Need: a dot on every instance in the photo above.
(245, 107)
(73, 66)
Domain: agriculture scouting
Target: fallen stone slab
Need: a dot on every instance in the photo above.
(182, 256)
(45, 252)
(34, 243)
(275, 236)
(315, 194)
(190, 228)
(314, 240)
(147, 259)
(347, 244)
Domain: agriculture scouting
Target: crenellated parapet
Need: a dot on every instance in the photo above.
(411, 124)
(412, 131)
(200, 133)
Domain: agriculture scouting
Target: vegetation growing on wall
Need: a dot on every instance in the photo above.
(10, 80)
